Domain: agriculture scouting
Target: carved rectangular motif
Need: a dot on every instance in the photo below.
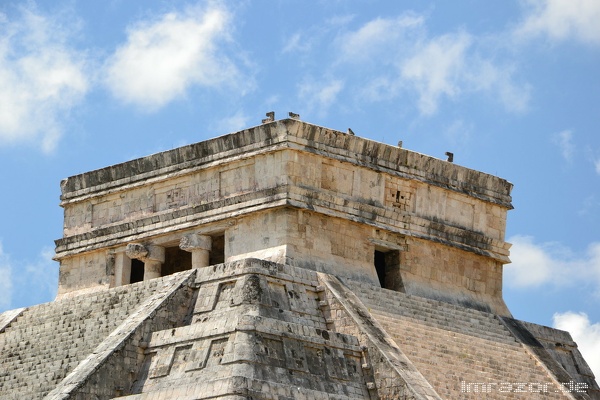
(161, 362)
(295, 355)
(225, 296)
(273, 353)
(278, 295)
(198, 355)
(207, 295)
(216, 352)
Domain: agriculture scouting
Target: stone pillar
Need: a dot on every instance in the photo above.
(152, 256)
(199, 246)
(122, 269)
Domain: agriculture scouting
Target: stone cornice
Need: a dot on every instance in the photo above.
(187, 217)
(293, 134)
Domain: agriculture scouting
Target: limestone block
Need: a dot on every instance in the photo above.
(136, 251)
(337, 177)
(194, 241)
(146, 252)
(200, 247)
(239, 177)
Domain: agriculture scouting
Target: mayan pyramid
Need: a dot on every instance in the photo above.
(285, 261)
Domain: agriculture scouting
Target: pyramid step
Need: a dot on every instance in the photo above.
(32, 339)
(494, 332)
(473, 359)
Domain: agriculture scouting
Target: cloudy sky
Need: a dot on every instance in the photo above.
(511, 87)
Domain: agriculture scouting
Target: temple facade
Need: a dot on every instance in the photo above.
(284, 261)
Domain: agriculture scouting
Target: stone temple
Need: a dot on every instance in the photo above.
(285, 261)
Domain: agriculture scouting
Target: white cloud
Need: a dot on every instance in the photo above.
(233, 123)
(41, 78)
(403, 58)
(6, 283)
(564, 140)
(589, 205)
(320, 95)
(597, 166)
(163, 58)
(36, 282)
(585, 334)
(437, 69)
(563, 19)
(298, 43)
(536, 264)
(379, 37)
(485, 76)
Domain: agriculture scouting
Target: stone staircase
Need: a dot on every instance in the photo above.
(258, 332)
(45, 342)
(463, 353)
(257, 329)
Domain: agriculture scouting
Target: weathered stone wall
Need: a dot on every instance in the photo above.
(85, 272)
(438, 272)
(262, 235)
(305, 239)
(293, 192)
(341, 247)
(333, 245)
(155, 197)
(406, 196)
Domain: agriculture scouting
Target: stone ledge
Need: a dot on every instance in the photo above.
(253, 323)
(299, 136)
(377, 216)
(170, 161)
(410, 226)
(169, 221)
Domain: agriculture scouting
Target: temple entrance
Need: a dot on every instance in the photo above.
(387, 266)
(176, 260)
(137, 271)
(217, 252)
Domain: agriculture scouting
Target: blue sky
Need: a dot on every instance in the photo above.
(510, 87)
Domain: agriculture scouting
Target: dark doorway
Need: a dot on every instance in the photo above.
(387, 265)
(217, 252)
(380, 266)
(176, 260)
(137, 271)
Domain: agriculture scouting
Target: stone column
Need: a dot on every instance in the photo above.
(122, 269)
(152, 256)
(199, 246)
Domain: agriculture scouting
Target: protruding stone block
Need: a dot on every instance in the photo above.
(199, 246)
(136, 251)
(195, 242)
(145, 253)
(152, 256)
